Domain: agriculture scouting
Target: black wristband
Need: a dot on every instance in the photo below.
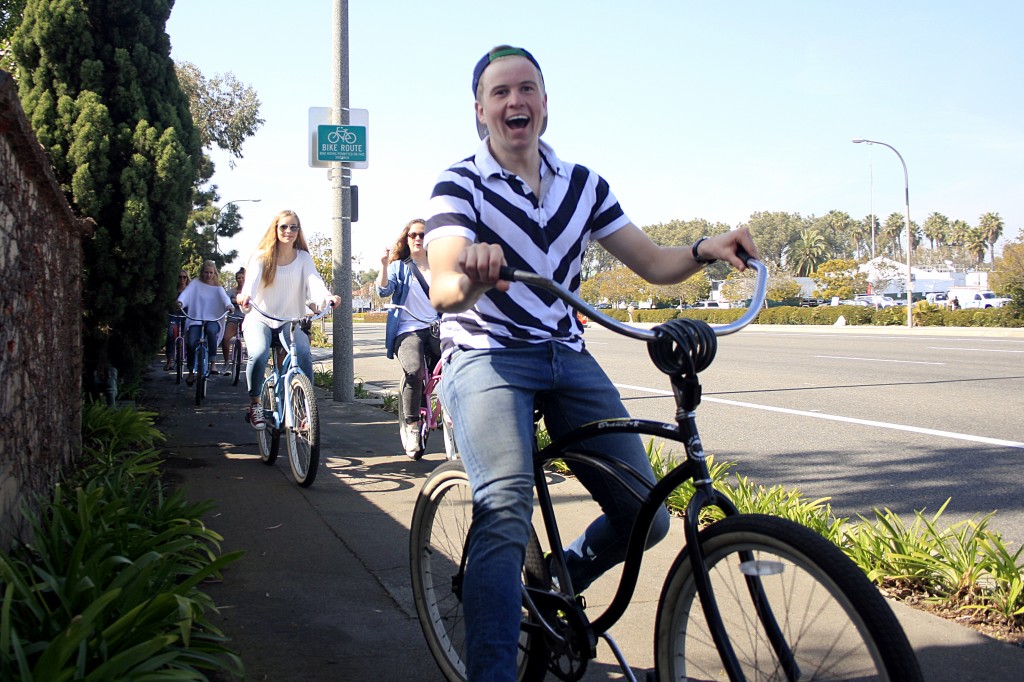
(696, 255)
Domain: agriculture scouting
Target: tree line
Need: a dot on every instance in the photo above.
(796, 246)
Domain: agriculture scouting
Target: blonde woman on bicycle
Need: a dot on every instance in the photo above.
(204, 299)
(405, 277)
(280, 278)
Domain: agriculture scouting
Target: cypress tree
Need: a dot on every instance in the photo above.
(98, 84)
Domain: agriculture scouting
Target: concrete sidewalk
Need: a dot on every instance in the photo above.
(323, 591)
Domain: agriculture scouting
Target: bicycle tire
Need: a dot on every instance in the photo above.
(835, 621)
(236, 351)
(269, 438)
(303, 436)
(179, 357)
(437, 538)
(200, 373)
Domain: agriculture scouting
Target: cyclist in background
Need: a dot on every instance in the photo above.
(231, 328)
(405, 277)
(280, 278)
(204, 299)
(183, 280)
(515, 202)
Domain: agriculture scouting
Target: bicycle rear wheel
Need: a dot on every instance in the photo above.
(303, 436)
(236, 355)
(269, 438)
(833, 620)
(437, 539)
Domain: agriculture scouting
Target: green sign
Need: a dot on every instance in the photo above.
(341, 143)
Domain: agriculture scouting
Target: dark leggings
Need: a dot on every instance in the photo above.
(410, 348)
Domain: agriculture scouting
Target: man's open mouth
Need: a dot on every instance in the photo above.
(517, 122)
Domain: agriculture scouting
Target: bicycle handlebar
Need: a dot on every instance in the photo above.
(533, 279)
(296, 320)
(196, 319)
(411, 313)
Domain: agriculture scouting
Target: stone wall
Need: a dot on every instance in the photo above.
(40, 320)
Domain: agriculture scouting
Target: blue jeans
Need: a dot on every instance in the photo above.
(490, 396)
(257, 339)
(208, 329)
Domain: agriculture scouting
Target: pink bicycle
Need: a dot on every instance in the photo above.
(432, 413)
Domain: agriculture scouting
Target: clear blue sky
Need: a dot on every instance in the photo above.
(689, 109)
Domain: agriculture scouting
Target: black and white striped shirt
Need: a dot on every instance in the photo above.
(479, 200)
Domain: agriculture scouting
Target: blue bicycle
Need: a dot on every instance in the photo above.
(201, 364)
(289, 405)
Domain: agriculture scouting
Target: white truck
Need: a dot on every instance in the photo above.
(973, 297)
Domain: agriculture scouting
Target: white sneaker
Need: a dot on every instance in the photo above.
(411, 438)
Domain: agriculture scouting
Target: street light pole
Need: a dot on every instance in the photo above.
(910, 240)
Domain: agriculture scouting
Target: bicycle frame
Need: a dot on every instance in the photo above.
(282, 370)
(694, 467)
(430, 410)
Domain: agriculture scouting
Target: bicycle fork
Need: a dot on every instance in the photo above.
(706, 496)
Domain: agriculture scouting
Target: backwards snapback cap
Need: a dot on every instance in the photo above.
(485, 61)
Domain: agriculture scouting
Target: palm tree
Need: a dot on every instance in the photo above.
(992, 226)
(936, 228)
(892, 230)
(808, 252)
(958, 231)
(976, 243)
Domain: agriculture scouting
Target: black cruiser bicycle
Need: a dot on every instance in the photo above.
(749, 597)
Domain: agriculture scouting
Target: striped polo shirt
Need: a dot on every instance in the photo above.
(479, 200)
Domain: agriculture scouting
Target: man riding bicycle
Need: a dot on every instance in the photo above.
(515, 202)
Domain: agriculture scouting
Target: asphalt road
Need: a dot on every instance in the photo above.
(871, 420)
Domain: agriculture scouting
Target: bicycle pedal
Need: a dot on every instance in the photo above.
(247, 418)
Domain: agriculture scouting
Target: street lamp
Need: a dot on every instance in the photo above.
(910, 241)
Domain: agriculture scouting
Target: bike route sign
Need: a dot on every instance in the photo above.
(345, 143)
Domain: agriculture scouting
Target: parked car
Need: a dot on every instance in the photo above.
(877, 300)
(710, 304)
(937, 298)
(853, 301)
(602, 306)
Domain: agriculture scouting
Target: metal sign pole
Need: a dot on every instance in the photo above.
(341, 224)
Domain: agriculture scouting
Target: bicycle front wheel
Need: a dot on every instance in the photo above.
(236, 353)
(437, 540)
(303, 436)
(200, 374)
(179, 357)
(269, 437)
(834, 623)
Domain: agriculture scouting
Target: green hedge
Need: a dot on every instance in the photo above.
(109, 586)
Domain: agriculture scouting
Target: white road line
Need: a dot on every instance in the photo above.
(848, 420)
(978, 350)
(905, 362)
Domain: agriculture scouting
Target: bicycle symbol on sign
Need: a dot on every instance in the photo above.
(341, 135)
